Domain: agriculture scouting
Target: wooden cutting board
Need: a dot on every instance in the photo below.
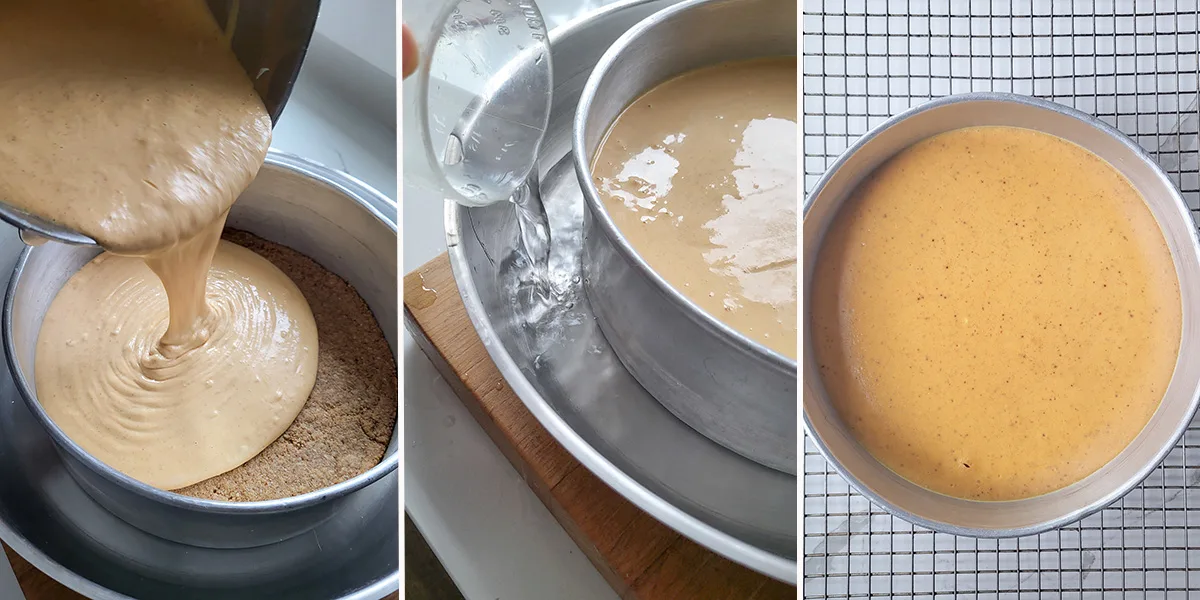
(640, 558)
(38, 586)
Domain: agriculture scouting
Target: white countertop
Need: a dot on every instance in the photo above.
(9, 588)
(495, 538)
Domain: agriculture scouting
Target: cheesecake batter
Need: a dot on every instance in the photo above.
(699, 174)
(174, 420)
(995, 313)
(131, 121)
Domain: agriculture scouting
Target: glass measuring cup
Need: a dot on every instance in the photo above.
(482, 93)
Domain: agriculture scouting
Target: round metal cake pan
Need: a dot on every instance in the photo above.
(1033, 515)
(305, 207)
(730, 388)
(49, 518)
(560, 364)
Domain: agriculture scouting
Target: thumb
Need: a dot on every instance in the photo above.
(409, 54)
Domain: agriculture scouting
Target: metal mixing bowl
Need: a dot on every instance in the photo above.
(328, 222)
(1033, 515)
(270, 39)
(733, 390)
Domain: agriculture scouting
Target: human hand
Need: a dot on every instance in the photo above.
(409, 55)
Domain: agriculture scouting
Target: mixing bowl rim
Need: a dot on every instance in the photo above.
(817, 388)
(596, 207)
(341, 182)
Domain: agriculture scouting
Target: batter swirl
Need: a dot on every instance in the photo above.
(171, 419)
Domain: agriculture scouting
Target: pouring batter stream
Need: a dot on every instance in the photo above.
(131, 121)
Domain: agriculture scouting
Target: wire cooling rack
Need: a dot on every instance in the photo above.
(1133, 64)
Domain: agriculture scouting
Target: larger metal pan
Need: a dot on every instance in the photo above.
(556, 359)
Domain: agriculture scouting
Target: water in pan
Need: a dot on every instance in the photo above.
(865, 61)
(546, 326)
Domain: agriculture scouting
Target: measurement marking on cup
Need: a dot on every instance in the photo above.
(453, 154)
(532, 17)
